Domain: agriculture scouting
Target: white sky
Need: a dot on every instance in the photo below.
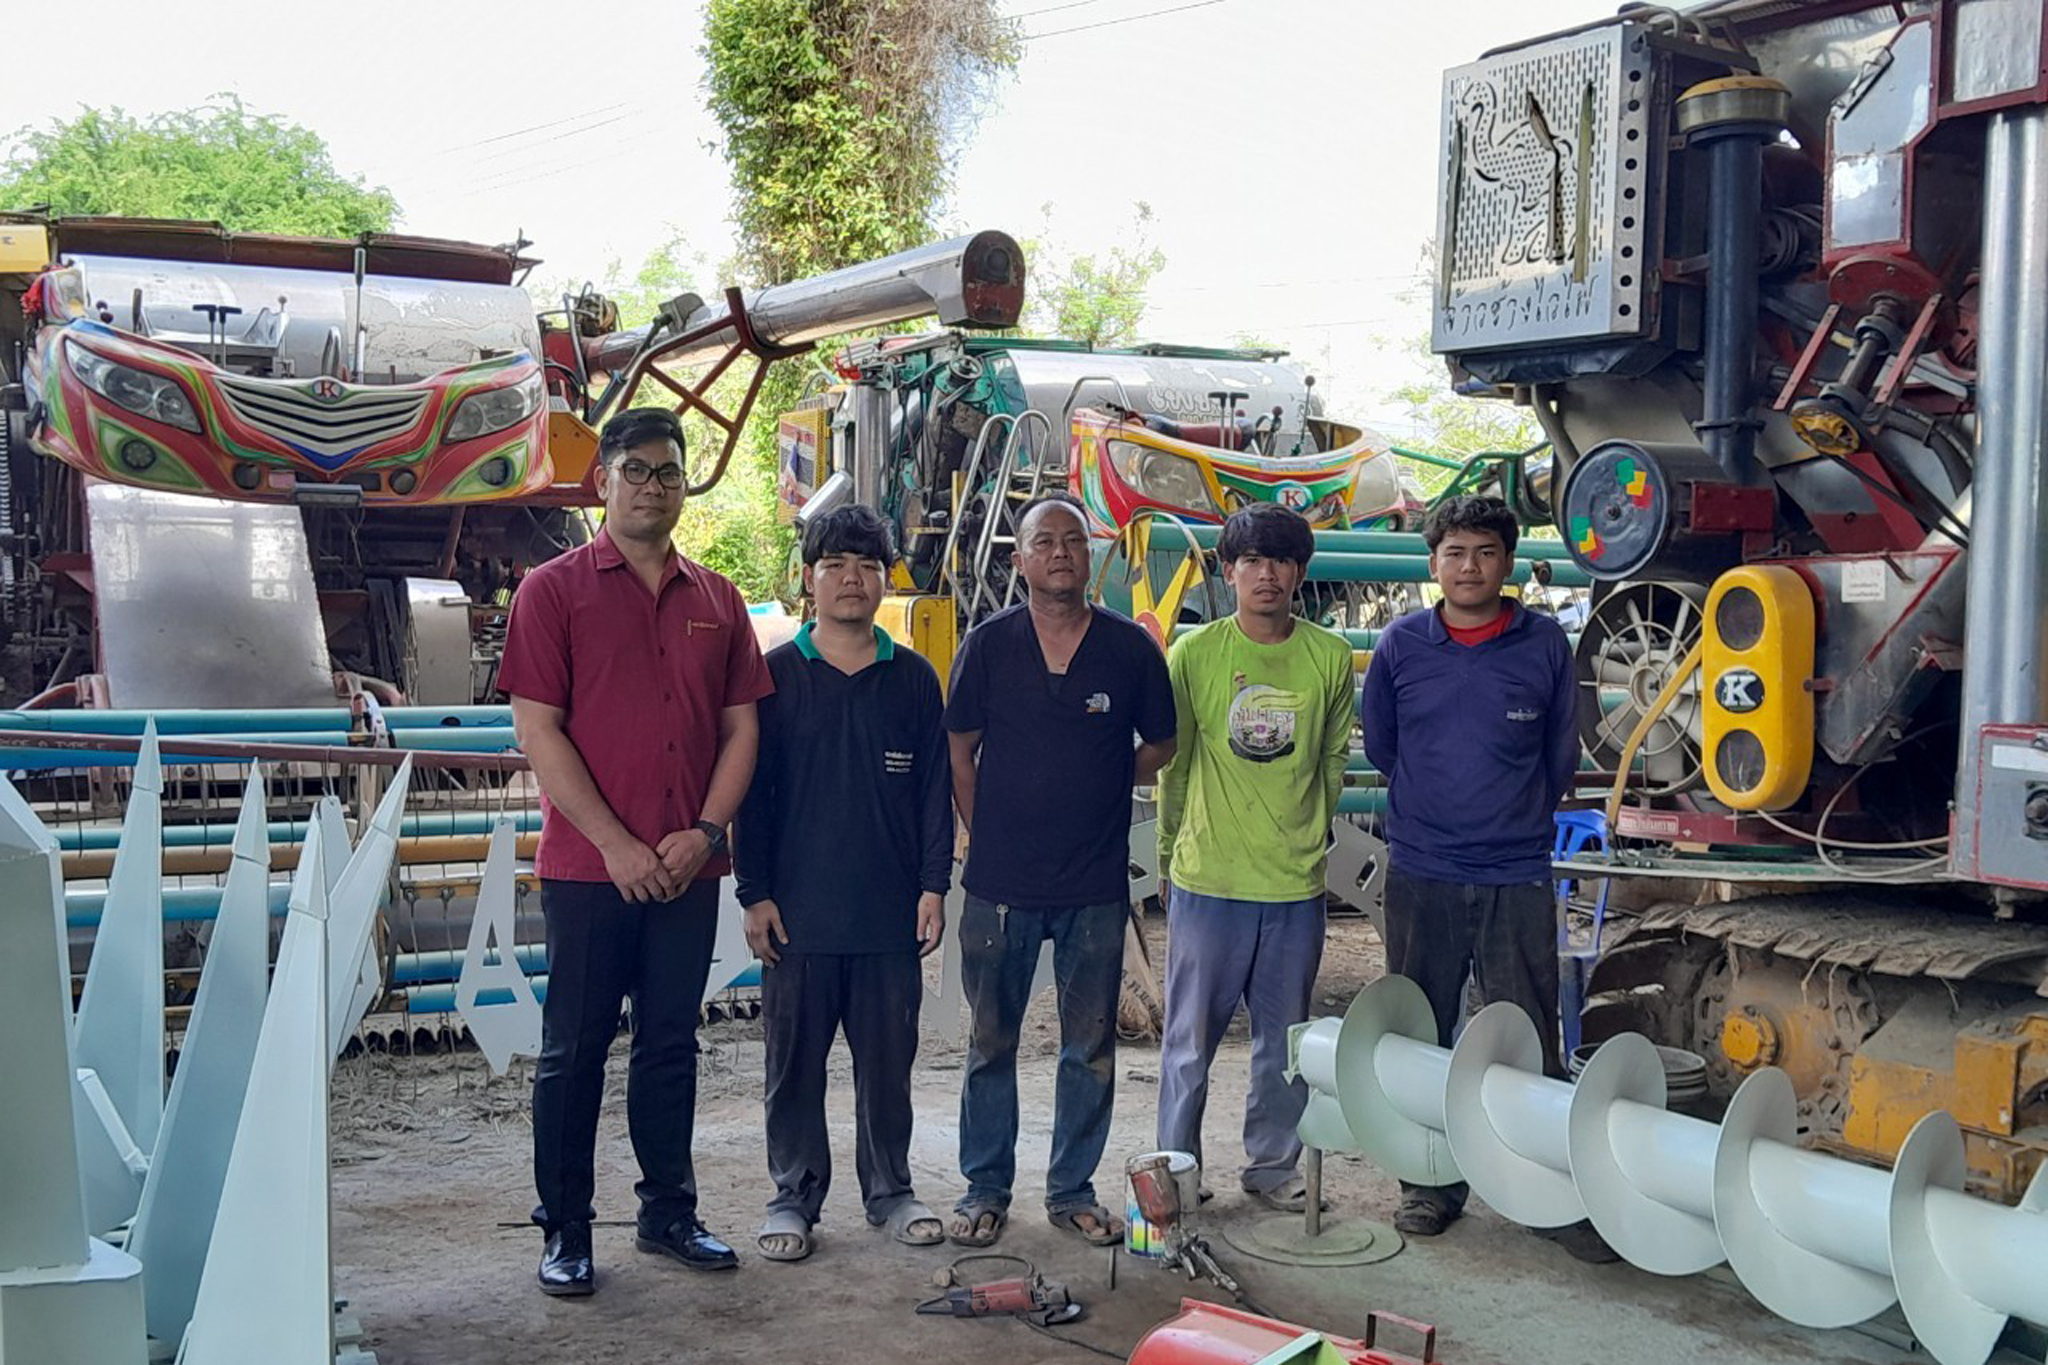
(1287, 147)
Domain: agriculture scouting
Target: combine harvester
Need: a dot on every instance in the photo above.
(273, 495)
(1770, 276)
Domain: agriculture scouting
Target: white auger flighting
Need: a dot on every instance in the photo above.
(1819, 1240)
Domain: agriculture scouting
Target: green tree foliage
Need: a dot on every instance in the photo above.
(839, 120)
(220, 162)
(838, 116)
(1446, 423)
(1096, 299)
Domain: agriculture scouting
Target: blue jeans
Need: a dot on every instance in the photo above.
(1219, 953)
(999, 948)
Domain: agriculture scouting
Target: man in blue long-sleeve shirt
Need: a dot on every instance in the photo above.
(844, 852)
(1471, 710)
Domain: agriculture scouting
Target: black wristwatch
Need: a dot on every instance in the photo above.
(715, 833)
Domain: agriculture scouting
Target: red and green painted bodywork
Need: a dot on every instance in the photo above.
(1355, 485)
(260, 439)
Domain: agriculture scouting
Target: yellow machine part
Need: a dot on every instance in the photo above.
(1757, 663)
(572, 446)
(927, 624)
(24, 248)
(1992, 1076)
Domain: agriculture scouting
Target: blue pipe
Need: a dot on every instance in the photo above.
(82, 909)
(440, 998)
(191, 748)
(430, 823)
(226, 722)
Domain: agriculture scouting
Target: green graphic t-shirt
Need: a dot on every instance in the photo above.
(1264, 731)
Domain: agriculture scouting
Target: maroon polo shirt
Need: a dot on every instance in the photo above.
(641, 679)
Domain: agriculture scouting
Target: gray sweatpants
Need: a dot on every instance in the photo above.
(1220, 952)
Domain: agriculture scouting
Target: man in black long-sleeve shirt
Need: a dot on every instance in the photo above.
(844, 851)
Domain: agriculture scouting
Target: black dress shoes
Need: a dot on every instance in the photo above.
(565, 1269)
(686, 1240)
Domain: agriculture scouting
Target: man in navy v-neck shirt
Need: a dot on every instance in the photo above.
(1471, 710)
(1057, 708)
(844, 850)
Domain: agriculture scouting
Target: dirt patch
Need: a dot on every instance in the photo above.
(432, 1188)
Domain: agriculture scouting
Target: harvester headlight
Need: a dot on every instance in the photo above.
(480, 414)
(1161, 477)
(142, 393)
(1375, 487)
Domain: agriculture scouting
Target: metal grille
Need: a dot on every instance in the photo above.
(327, 430)
(1545, 201)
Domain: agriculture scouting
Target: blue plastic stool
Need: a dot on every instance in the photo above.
(1576, 830)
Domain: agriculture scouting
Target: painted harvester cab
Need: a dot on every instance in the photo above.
(395, 373)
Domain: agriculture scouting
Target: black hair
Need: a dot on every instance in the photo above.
(1056, 499)
(1269, 530)
(854, 529)
(1470, 512)
(637, 426)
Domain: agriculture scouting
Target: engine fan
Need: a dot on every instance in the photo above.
(1633, 641)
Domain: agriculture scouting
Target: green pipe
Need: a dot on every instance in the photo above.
(1355, 542)
(1424, 457)
(72, 839)
(235, 724)
(1399, 568)
(1357, 639)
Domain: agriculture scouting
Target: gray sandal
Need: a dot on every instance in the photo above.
(1108, 1228)
(966, 1230)
(911, 1211)
(785, 1223)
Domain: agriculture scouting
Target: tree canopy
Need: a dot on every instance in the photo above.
(221, 162)
(839, 116)
(1098, 299)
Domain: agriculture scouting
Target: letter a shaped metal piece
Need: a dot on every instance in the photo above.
(267, 1290)
(508, 1024)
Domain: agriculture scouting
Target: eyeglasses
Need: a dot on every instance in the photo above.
(637, 472)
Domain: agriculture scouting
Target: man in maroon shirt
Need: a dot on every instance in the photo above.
(633, 675)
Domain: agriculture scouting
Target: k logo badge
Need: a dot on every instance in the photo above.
(1739, 690)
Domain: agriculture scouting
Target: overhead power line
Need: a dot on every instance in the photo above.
(1053, 9)
(536, 128)
(1127, 19)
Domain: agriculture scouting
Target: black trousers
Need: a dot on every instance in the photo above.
(1506, 936)
(603, 950)
(806, 999)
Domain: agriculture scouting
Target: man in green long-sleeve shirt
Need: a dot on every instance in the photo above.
(1263, 706)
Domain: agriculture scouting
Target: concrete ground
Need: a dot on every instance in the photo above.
(433, 1251)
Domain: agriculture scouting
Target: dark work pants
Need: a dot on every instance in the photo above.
(806, 999)
(602, 950)
(1506, 936)
(999, 947)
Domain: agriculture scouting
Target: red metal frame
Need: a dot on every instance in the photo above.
(695, 399)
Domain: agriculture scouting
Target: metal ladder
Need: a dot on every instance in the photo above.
(1009, 488)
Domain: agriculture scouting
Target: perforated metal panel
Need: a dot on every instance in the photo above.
(1545, 194)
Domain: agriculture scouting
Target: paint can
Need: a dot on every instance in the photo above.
(1150, 1179)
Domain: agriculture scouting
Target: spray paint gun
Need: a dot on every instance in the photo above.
(1161, 1186)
